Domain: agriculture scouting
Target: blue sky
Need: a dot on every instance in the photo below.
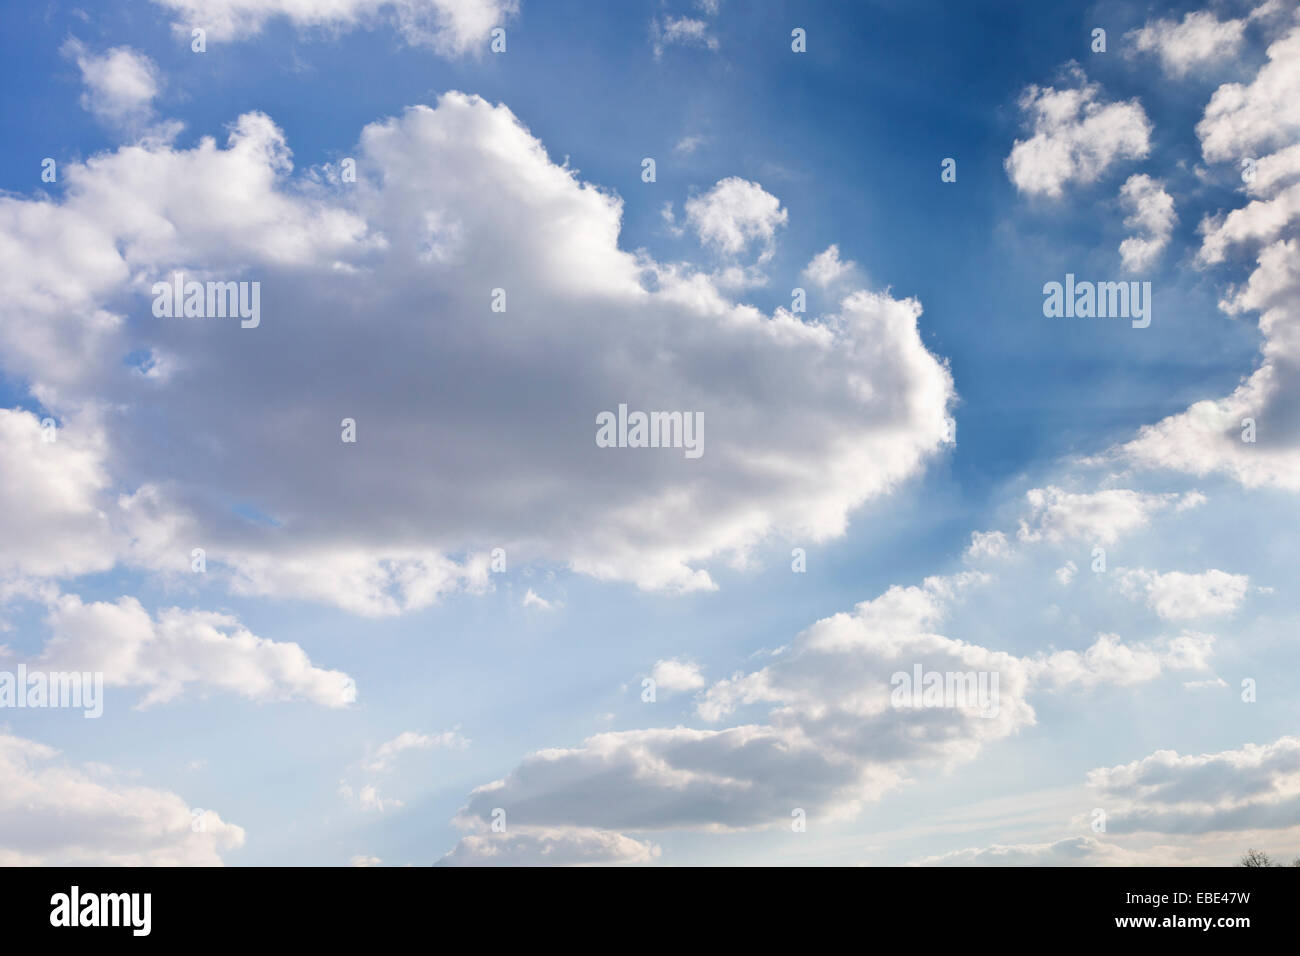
(1122, 686)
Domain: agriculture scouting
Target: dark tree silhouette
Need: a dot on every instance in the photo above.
(1253, 857)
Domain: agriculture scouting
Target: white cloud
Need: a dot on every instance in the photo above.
(1212, 435)
(450, 27)
(688, 145)
(533, 599)
(179, 649)
(387, 753)
(1256, 787)
(832, 739)
(121, 84)
(371, 581)
(988, 544)
(1066, 572)
(1250, 434)
(1100, 516)
(676, 676)
(549, 846)
(369, 799)
(364, 861)
(53, 813)
(1200, 40)
(1199, 684)
(1075, 137)
(806, 420)
(1259, 221)
(1110, 661)
(681, 31)
(826, 268)
(1176, 596)
(1071, 851)
(52, 517)
(1243, 118)
(1150, 209)
(734, 214)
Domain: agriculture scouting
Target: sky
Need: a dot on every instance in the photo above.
(366, 583)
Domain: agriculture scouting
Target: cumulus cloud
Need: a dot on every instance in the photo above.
(370, 581)
(478, 434)
(450, 27)
(121, 83)
(1243, 118)
(52, 488)
(1150, 209)
(1252, 434)
(734, 214)
(54, 813)
(988, 544)
(817, 728)
(1177, 596)
(676, 676)
(1075, 136)
(1100, 516)
(1110, 661)
(826, 268)
(1256, 787)
(1201, 39)
(1055, 516)
(832, 740)
(176, 649)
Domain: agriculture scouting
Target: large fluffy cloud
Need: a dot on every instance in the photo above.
(818, 730)
(1258, 115)
(1252, 434)
(58, 814)
(176, 649)
(475, 428)
(1256, 787)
